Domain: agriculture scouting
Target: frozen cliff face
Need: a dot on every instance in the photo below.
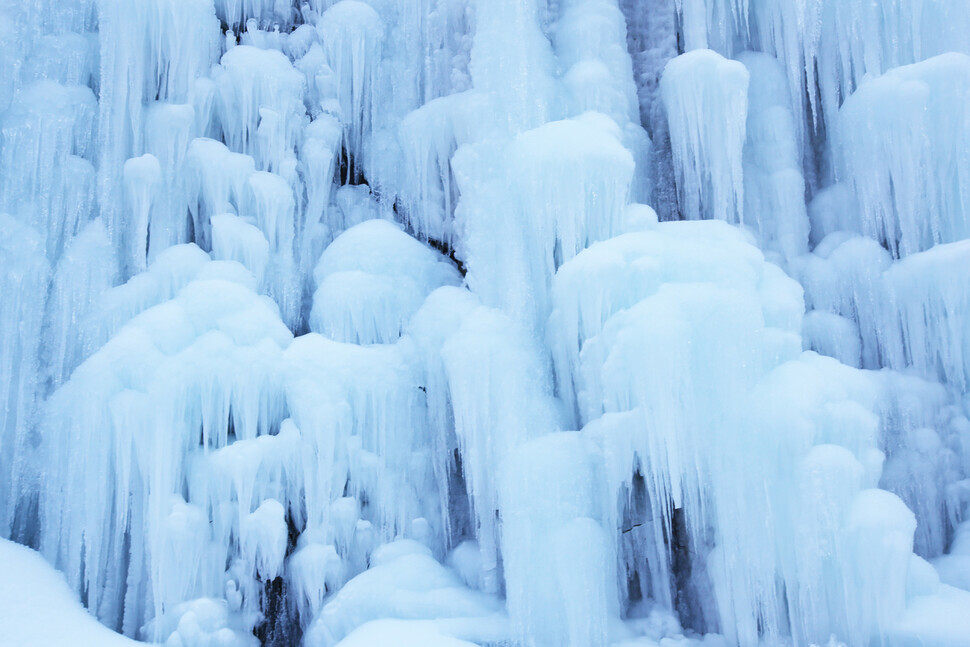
(354, 322)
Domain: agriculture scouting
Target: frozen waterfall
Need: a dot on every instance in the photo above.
(511, 323)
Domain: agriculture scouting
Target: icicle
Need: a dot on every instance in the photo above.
(143, 175)
(234, 239)
(48, 139)
(85, 272)
(930, 290)
(153, 50)
(351, 33)
(706, 98)
(907, 164)
(253, 81)
(559, 566)
(23, 282)
(843, 276)
(774, 191)
(215, 184)
(264, 539)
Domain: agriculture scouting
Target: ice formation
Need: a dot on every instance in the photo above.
(485, 322)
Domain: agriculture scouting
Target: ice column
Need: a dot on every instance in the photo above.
(706, 98)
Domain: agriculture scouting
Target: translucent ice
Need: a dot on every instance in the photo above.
(706, 98)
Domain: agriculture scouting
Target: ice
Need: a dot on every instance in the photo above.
(236, 13)
(832, 210)
(368, 429)
(83, 276)
(954, 567)
(929, 290)
(67, 58)
(371, 280)
(54, 189)
(263, 534)
(590, 42)
(512, 61)
(880, 532)
(429, 137)
(614, 275)
(906, 163)
(618, 331)
(237, 327)
(706, 99)
(154, 50)
(935, 619)
(314, 570)
(169, 129)
(402, 633)
(828, 48)
(465, 560)
(351, 33)
(500, 392)
(268, 200)
(832, 334)
(559, 561)
(165, 277)
(143, 175)
(774, 191)
(319, 155)
(844, 276)
(594, 30)
(234, 239)
(495, 322)
(580, 203)
(403, 582)
(488, 390)
(217, 183)
(260, 107)
(206, 621)
(23, 274)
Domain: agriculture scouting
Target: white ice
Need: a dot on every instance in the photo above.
(482, 322)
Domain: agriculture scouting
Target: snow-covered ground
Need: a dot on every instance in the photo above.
(38, 609)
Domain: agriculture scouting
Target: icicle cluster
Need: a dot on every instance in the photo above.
(347, 322)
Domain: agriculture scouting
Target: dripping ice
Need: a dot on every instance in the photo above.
(484, 322)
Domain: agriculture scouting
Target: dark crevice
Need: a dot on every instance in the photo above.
(448, 251)
(349, 171)
(446, 248)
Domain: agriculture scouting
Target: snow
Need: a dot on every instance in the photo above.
(480, 322)
(404, 582)
(38, 609)
(405, 634)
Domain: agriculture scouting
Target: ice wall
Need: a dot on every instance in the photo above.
(354, 322)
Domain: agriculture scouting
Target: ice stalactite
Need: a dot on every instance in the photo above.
(155, 51)
(351, 33)
(706, 99)
(906, 165)
(774, 191)
(24, 274)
